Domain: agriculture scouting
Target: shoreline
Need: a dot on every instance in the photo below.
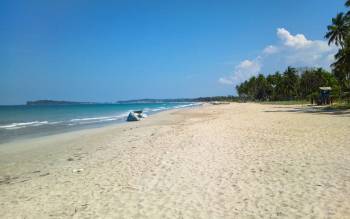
(81, 128)
(29, 143)
(216, 161)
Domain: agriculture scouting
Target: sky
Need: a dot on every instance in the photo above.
(104, 51)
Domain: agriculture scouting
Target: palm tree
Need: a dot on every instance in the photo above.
(338, 30)
(341, 68)
(347, 3)
(290, 83)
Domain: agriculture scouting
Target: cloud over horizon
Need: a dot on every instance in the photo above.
(291, 50)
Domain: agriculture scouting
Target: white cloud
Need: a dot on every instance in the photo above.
(316, 54)
(270, 49)
(247, 65)
(331, 58)
(246, 68)
(226, 81)
(296, 41)
(291, 50)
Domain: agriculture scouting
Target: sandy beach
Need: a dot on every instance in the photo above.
(224, 161)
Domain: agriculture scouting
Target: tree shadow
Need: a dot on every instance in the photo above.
(311, 110)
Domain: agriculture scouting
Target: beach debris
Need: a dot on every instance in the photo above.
(136, 116)
(77, 170)
(44, 174)
(70, 159)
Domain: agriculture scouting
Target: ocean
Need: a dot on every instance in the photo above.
(23, 121)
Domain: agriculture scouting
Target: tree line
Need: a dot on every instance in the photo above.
(293, 84)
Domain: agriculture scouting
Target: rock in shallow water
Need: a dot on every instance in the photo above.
(132, 117)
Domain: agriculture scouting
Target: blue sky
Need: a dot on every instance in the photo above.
(114, 50)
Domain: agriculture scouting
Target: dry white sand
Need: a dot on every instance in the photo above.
(225, 161)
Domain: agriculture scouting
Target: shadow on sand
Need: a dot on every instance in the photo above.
(323, 110)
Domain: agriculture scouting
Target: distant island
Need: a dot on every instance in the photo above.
(54, 102)
(199, 99)
(155, 100)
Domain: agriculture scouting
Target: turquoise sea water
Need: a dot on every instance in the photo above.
(31, 121)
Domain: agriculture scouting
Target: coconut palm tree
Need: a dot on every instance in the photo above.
(341, 68)
(347, 3)
(338, 30)
(290, 83)
(342, 64)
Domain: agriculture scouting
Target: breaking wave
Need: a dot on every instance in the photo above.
(89, 120)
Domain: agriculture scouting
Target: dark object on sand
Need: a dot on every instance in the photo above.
(135, 116)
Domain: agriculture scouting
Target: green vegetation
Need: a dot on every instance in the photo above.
(339, 34)
(291, 85)
(296, 85)
(287, 102)
(199, 99)
(216, 98)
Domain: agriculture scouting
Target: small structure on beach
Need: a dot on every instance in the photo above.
(325, 96)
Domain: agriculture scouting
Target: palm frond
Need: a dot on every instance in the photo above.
(347, 3)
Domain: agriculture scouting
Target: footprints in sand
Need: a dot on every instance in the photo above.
(79, 155)
(7, 179)
(197, 168)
